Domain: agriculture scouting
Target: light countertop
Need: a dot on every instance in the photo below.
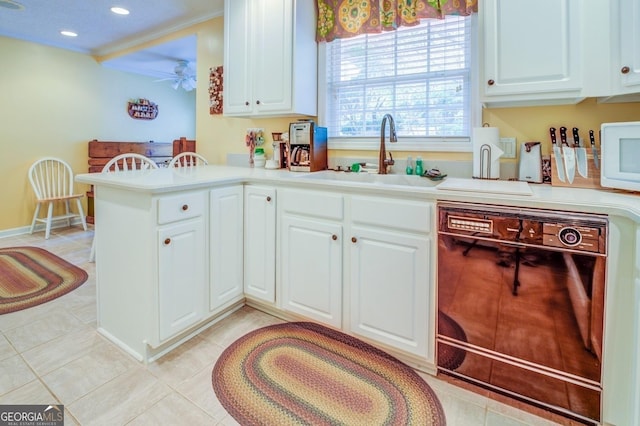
(164, 180)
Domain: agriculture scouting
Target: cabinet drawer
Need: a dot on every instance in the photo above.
(313, 203)
(180, 207)
(406, 215)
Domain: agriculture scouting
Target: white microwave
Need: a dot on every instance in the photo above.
(620, 152)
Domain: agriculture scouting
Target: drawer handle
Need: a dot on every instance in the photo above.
(246, 103)
(167, 241)
(625, 70)
(354, 240)
(334, 237)
(268, 199)
(185, 207)
(491, 82)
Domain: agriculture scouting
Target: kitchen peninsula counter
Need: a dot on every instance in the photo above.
(134, 217)
(165, 180)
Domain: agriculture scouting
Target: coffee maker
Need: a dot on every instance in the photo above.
(307, 147)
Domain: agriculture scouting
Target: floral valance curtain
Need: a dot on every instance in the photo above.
(348, 18)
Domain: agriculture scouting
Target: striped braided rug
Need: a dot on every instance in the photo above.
(304, 373)
(30, 276)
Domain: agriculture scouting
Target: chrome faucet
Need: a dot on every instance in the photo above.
(383, 162)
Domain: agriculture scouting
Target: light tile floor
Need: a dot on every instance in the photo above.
(52, 353)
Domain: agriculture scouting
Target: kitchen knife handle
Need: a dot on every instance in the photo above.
(563, 135)
(552, 131)
(576, 137)
(592, 138)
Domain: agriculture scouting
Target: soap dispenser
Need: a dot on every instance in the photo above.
(409, 169)
(419, 166)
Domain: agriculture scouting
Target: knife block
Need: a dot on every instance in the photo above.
(591, 181)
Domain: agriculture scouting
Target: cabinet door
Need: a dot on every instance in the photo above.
(181, 276)
(629, 27)
(260, 243)
(312, 269)
(226, 246)
(390, 275)
(530, 49)
(272, 55)
(237, 57)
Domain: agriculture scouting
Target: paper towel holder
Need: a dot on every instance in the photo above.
(485, 156)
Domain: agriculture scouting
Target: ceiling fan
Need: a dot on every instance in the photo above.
(185, 76)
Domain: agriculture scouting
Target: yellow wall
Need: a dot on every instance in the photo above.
(218, 136)
(533, 123)
(54, 101)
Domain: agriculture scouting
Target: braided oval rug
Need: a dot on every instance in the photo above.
(304, 373)
(30, 276)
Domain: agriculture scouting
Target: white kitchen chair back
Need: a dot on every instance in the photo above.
(188, 159)
(123, 162)
(129, 161)
(52, 182)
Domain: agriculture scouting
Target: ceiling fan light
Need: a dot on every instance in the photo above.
(188, 84)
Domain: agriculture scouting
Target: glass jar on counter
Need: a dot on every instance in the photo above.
(259, 158)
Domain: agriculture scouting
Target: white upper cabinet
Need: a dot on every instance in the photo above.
(270, 58)
(530, 50)
(545, 52)
(625, 51)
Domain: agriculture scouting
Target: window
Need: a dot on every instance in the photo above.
(422, 75)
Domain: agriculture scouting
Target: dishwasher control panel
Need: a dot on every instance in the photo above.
(572, 236)
(577, 232)
(461, 223)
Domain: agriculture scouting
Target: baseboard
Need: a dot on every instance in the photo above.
(12, 232)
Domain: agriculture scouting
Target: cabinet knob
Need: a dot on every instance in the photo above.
(625, 70)
(354, 240)
(257, 102)
(334, 237)
(185, 207)
(268, 199)
(491, 82)
(246, 103)
(167, 241)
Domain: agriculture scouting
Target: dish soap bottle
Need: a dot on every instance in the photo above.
(409, 169)
(419, 167)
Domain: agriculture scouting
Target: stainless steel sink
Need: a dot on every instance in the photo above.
(371, 179)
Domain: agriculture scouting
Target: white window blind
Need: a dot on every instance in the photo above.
(421, 75)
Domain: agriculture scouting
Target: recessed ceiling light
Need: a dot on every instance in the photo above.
(68, 33)
(120, 10)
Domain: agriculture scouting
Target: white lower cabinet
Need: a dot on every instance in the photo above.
(312, 269)
(390, 273)
(181, 276)
(311, 254)
(362, 264)
(260, 243)
(226, 246)
(389, 288)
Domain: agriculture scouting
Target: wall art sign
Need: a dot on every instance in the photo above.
(142, 109)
